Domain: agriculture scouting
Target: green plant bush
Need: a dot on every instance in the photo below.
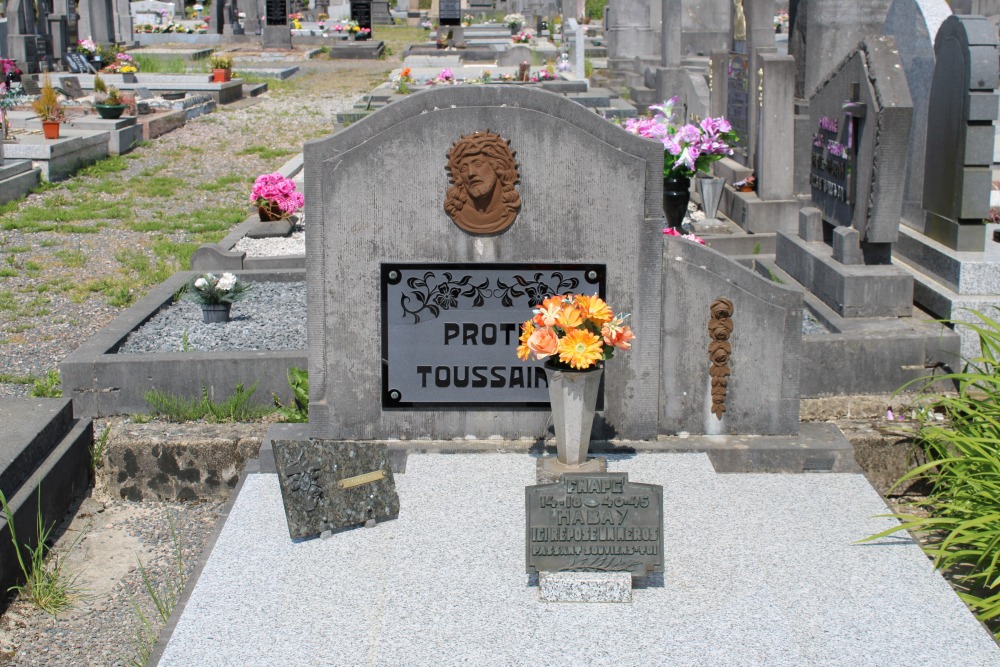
(236, 408)
(962, 469)
(298, 409)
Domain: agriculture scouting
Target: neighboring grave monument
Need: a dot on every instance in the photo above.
(913, 25)
(276, 32)
(843, 252)
(834, 29)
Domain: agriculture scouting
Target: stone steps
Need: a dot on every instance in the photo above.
(41, 446)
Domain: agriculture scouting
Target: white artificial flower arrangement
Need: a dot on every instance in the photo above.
(208, 289)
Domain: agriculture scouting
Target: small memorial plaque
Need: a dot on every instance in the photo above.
(594, 522)
(77, 63)
(450, 331)
(277, 12)
(329, 485)
(71, 87)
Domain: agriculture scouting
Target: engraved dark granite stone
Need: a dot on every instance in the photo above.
(329, 485)
(594, 522)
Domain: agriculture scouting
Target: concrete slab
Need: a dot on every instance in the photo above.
(760, 570)
(60, 158)
(28, 430)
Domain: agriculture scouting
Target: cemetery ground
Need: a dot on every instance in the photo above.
(74, 255)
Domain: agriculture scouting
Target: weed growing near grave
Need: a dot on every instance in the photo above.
(47, 386)
(164, 598)
(297, 411)
(9, 378)
(963, 471)
(71, 258)
(45, 584)
(266, 152)
(236, 408)
(97, 450)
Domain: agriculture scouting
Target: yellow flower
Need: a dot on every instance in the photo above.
(580, 349)
(594, 309)
(523, 351)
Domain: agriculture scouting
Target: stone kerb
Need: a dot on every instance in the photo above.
(590, 192)
(763, 331)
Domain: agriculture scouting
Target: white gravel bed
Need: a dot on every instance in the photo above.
(294, 244)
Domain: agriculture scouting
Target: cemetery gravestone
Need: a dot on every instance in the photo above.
(361, 11)
(450, 12)
(334, 485)
(834, 28)
(397, 216)
(913, 25)
(594, 522)
(861, 119)
(78, 63)
(276, 34)
(152, 12)
(960, 132)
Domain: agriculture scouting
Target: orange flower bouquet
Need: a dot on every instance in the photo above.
(574, 332)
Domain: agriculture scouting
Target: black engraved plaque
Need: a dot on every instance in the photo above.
(361, 11)
(277, 12)
(594, 522)
(450, 331)
(450, 12)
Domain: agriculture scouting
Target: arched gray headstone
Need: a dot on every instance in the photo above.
(960, 132)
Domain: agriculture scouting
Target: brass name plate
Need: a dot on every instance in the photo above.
(358, 480)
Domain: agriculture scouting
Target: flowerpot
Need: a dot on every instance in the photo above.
(51, 129)
(215, 312)
(267, 215)
(130, 77)
(110, 111)
(221, 75)
(710, 188)
(573, 398)
(676, 195)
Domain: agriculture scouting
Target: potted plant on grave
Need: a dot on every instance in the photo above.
(11, 72)
(109, 102)
(689, 150)
(216, 295)
(222, 67)
(574, 334)
(49, 110)
(277, 200)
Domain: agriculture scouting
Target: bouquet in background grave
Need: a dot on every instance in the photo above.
(122, 64)
(87, 46)
(514, 21)
(210, 290)
(276, 197)
(577, 331)
(523, 37)
(689, 148)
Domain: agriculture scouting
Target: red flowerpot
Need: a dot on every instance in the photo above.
(51, 129)
(221, 75)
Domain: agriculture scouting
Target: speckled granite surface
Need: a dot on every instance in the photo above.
(760, 570)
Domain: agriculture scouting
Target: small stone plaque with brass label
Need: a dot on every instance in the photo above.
(330, 485)
(594, 522)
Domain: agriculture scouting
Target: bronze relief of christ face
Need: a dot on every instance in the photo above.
(482, 173)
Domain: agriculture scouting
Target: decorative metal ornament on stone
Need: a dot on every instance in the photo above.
(329, 485)
(720, 327)
(482, 173)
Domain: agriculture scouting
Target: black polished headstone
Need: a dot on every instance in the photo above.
(594, 522)
(450, 12)
(361, 11)
(277, 12)
(329, 485)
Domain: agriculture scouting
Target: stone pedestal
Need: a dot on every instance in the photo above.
(277, 37)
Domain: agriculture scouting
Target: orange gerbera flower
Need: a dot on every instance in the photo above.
(523, 351)
(594, 309)
(569, 317)
(580, 349)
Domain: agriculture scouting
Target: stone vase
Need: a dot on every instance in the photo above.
(573, 398)
(215, 312)
(710, 188)
(676, 196)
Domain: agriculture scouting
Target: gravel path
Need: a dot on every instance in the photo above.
(72, 257)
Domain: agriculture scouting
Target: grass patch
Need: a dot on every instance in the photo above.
(47, 386)
(66, 209)
(236, 408)
(204, 220)
(160, 64)
(266, 152)
(71, 259)
(176, 252)
(8, 272)
(101, 168)
(7, 300)
(158, 186)
(9, 378)
(45, 585)
(163, 602)
(149, 272)
(19, 248)
(223, 183)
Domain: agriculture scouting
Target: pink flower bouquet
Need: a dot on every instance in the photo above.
(689, 148)
(276, 197)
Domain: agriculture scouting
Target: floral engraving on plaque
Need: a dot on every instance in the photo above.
(535, 289)
(482, 173)
(431, 294)
(720, 327)
(303, 481)
(601, 564)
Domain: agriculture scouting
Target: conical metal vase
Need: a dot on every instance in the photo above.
(710, 188)
(573, 396)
